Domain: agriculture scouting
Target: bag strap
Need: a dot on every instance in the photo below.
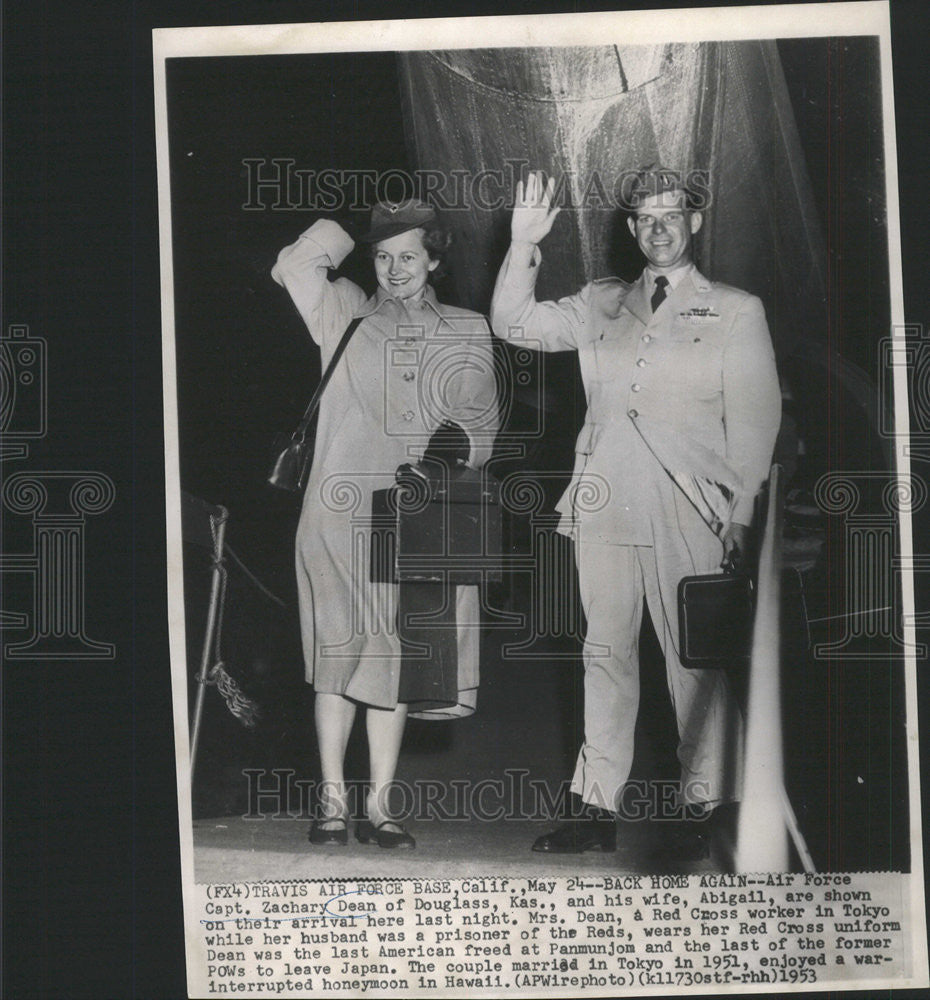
(314, 403)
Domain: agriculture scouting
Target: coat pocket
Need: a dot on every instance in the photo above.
(605, 356)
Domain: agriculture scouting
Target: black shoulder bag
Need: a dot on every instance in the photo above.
(293, 453)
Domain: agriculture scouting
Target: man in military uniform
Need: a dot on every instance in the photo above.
(683, 407)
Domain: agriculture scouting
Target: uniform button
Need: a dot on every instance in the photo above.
(408, 376)
(635, 387)
(641, 363)
(647, 337)
(633, 413)
(408, 414)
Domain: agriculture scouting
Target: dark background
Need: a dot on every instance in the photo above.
(90, 850)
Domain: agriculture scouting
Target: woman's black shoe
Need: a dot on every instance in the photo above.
(367, 833)
(321, 837)
(578, 836)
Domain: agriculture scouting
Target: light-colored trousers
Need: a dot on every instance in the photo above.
(614, 580)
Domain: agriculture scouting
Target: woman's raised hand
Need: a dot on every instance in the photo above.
(533, 212)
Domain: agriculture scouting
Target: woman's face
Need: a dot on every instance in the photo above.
(402, 265)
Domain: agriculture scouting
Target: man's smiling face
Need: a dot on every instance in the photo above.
(663, 228)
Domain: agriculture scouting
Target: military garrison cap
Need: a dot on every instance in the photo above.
(391, 218)
(650, 181)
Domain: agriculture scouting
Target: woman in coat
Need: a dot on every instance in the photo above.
(412, 367)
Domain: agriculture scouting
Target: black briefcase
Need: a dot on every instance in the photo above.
(438, 530)
(715, 618)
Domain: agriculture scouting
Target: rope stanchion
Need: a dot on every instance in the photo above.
(205, 525)
(238, 703)
(218, 516)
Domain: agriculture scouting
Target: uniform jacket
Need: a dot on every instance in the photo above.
(690, 391)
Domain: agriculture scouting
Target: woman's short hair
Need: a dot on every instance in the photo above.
(436, 241)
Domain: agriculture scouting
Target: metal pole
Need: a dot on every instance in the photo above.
(219, 525)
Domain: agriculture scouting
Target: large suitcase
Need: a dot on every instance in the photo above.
(430, 535)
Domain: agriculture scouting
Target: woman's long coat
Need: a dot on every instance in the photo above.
(406, 369)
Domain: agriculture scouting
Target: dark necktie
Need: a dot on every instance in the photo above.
(658, 296)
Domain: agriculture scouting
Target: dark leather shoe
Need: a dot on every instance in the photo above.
(367, 833)
(578, 836)
(338, 836)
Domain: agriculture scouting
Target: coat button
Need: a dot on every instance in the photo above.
(633, 413)
(647, 337)
(408, 376)
(635, 387)
(408, 414)
(641, 363)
